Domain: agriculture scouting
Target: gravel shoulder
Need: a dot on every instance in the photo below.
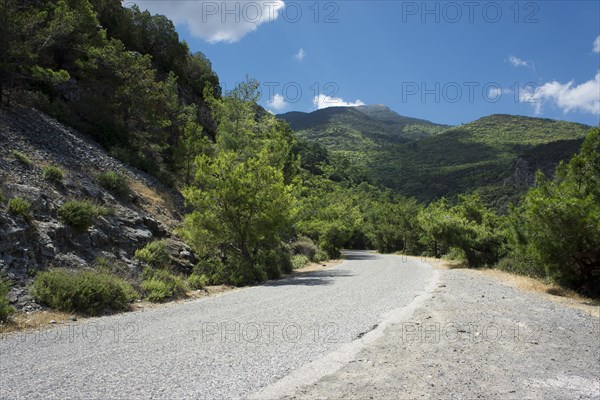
(475, 336)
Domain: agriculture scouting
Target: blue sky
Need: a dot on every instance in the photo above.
(448, 62)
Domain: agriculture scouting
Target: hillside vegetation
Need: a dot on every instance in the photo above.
(496, 156)
(136, 149)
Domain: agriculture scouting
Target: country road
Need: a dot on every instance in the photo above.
(229, 346)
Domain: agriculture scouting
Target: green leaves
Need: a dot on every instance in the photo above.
(242, 204)
(558, 222)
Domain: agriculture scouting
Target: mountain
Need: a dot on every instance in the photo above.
(359, 128)
(496, 156)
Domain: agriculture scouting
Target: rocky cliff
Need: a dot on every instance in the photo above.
(40, 240)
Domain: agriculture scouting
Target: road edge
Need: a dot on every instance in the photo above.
(330, 363)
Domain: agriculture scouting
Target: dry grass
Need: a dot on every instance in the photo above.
(152, 202)
(33, 320)
(549, 291)
(439, 263)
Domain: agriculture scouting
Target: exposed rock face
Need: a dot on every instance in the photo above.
(523, 174)
(30, 244)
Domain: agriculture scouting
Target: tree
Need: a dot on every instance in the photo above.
(558, 222)
(468, 226)
(242, 204)
(327, 214)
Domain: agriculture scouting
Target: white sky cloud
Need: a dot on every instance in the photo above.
(300, 55)
(278, 103)
(566, 96)
(495, 92)
(517, 62)
(596, 48)
(216, 21)
(323, 101)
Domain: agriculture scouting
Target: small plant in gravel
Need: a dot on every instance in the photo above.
(52, 173)
(19, 206)
(5, 308)
(115, 182)
(160, 284)
(21, 157)
(80, 214)
(85, 292)
(154, 254)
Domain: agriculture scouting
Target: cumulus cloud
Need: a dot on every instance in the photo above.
(323, 101)
(584, 97)
(517, 62)
(596, 48)
(300, 55)
(216, 21)
(278, 103)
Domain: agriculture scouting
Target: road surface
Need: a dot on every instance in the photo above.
(239, 344)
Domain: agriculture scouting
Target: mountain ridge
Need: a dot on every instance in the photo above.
(496, 155)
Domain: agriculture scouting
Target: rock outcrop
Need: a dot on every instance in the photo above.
(40, 240)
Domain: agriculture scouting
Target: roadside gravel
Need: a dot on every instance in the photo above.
(475, 338)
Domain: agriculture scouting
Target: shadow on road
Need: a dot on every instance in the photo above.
(312, 279)
(359, 255)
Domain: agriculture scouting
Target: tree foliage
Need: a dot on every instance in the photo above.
(558, 222)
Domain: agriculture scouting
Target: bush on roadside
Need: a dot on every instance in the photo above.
(52, 173)
(160, 284)
(299, 261)
(80, 214)
(19, 206)
(5, 308)
(306, 247)
(213, 269)
(115, 182)
(154, 254)
(85, 292)
(198, 282)
(521, 265)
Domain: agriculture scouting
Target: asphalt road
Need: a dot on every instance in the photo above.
(230, 346)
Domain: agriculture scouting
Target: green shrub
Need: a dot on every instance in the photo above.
(19, 206)
(306, 247)
(321, 256)
(299, 261)
(198, 282)
(5, 308)
(115, 182)
(52, 173)
(213, 269)
(80, 214)
(154, 254)
(522, 265)
(160, 285)
(21, 157)
(85, 292)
